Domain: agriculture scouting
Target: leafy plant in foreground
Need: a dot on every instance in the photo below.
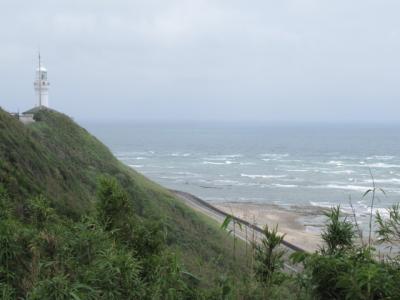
(230, 219)
(338, 234)
(344, 269)
(389, 229)
(268, 257)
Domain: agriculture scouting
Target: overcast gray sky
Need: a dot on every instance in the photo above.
(300, 60)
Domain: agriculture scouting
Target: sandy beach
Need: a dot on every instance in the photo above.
(301, 225)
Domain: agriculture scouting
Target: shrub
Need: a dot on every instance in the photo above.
(40, 211)
(338, 234)
(268, 257)
(115, 275)
(345, 270)
(113, 205)
(389, 229)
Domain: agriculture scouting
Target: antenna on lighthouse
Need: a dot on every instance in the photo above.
(40, 82)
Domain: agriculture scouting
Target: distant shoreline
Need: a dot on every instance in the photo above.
(295, 240)
(298, 225)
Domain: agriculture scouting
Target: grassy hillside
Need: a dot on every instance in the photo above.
(75, 223)
(58, 159)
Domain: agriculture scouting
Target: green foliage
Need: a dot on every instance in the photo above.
(230, 219)
(5, 207)
(61, 288)
(268, 257)
(345, 270)
(168, 280)
(40, 212)
(115, 275)
(113, 206)
(339, 233)
(64, 234)
(389, 229)
(51, 169)
(6, 291)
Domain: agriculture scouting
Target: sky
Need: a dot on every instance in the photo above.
(205, 60)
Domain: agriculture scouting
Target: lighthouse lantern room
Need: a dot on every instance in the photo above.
(41, 85)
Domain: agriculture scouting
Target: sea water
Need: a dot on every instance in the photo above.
(284, 164)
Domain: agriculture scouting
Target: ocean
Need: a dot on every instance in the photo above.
(284, 164)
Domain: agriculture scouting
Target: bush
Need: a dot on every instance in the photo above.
(339, 232)
(40, 212)
(345, 270)
(115, 275)
(113, 205)
(268, 257)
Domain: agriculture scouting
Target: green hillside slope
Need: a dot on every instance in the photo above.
(56, 158)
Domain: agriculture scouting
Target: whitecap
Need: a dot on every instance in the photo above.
(323, 204)
(275, 155)
(380, 157)
(383, 165)
(233, 155)
(267, 159)
(335, 162)
(227, 162)
(223, 157)
(342, 187)
(179, 154)
(339, 172)
(262, 176)
(227, 182)
(389, 180)
(285, 185)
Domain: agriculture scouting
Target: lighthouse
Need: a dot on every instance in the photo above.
(41, 85)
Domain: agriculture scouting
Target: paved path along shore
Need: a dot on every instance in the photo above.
(247, 228)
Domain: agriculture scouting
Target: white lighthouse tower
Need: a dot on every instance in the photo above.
(42, 85)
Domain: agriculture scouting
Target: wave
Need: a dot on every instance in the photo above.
(275, 155)
(323, 204)
(380, 157)
(227, 182)
(233, 155)
(262, 176)
(187, 174)
(179, 178)
(339, 172)
(136, 166)
(341, 187)
(298, 170)
(223, 157)
(227, 162)
(383, 165)
(179, 154)
(389, 180)
(363, 164)
(335, 162)
(361, 209)
(130, 154)
(285, 185)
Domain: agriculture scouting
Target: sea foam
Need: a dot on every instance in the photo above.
(262, 176)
